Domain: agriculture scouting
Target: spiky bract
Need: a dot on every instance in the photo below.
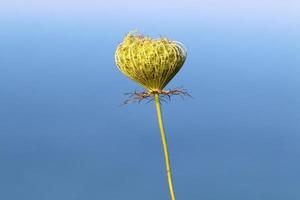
(150, 62)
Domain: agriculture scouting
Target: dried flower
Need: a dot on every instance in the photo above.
(150, 62)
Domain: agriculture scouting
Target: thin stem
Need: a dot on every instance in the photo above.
(165, 145)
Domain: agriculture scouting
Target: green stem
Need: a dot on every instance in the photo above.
(165, 145)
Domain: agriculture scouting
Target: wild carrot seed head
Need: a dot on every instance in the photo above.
(150, 62)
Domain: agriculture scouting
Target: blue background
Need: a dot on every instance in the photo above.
(63, 135)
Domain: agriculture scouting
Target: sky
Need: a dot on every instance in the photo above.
(189, 11)
(64, 135)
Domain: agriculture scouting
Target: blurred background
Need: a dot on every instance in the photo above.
(63, 135)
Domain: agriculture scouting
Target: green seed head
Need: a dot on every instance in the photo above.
(150, 62)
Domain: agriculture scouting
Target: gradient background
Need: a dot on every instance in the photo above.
(64, 137)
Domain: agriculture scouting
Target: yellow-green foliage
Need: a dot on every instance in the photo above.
(150, 62)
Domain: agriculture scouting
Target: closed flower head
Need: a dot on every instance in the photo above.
(150, 62)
